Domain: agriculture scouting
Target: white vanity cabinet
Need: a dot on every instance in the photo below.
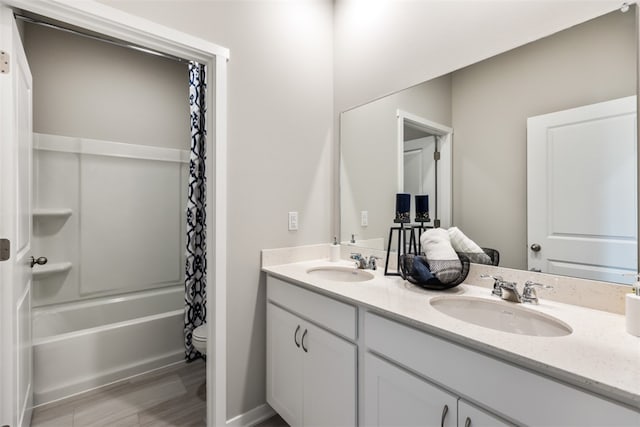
(311, 363)
(395, 397)
(510, 392)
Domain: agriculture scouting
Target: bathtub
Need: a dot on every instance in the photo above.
(82, 345)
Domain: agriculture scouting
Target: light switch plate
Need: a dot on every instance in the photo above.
(293, 221)
(364, 218)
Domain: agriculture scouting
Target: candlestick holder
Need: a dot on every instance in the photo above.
(402, 231)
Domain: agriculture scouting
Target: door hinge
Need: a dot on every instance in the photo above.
(5, 249)
(4, 62)
(436, 155)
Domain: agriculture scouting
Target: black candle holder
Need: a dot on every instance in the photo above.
(423, 217)
(402, 230)
(402, 218)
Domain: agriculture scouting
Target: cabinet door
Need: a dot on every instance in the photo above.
(284, 364)
(470, 416)
(330, 378)
(395, 397)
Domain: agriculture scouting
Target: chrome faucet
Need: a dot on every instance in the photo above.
(363, 263)
(508, 291)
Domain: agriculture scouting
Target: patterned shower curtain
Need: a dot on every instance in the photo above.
(195, 295)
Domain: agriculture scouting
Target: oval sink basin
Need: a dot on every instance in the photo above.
(340, 274)
(501, 316)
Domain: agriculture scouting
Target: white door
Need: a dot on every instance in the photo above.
(284, 364)
(395, 397)
(15, 226)
(419, 169)
(330, 371)
(581, 191)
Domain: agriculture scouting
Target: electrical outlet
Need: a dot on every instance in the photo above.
(364, 218)
(293, 221)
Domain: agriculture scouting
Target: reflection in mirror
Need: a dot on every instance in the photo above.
(489, 105)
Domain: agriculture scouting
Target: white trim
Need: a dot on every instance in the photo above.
(425, 124)
(28, 397)
(252, 417)
(68, 144)
(136, 30)
(445, 185)
(217, 340)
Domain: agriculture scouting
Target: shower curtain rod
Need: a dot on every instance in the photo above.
(97, 38)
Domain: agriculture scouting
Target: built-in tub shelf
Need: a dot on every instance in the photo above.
(40, 271)
(52, 212)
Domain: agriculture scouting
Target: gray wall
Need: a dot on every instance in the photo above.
(91, 89)
(280, 149)
(391, 45)
(491, 101)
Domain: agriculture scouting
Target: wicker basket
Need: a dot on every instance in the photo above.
(406, 269)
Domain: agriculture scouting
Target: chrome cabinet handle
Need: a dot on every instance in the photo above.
(445, 410)
(467, 422)
(40, 261)
(295, 337)
(304, 335)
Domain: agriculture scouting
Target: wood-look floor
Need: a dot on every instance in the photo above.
(275, 421)
(175, 396)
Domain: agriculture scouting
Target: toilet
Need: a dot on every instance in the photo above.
(199, 338)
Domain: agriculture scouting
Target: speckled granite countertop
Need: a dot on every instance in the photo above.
(599, 355)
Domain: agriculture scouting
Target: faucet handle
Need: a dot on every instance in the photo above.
(529, 293)
(355, 255)
(372, 262)
(497, 290)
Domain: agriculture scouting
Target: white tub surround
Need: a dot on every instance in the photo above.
(99, 208)
(598, 356)
(83, 345)
(109, 303)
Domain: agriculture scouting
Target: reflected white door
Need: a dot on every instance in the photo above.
(15, 226)
(419, 169)
(581, 191)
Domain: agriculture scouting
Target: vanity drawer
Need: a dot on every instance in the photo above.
(333, 315)
(517, 394)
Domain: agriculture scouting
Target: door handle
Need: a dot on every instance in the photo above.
(40, 261)
(536, 247)
(295, 337)
(302, 341)
(444, 415)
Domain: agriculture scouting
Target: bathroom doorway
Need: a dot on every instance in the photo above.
(424, 164)
(111, 21)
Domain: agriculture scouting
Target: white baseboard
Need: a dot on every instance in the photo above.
(252, 417)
